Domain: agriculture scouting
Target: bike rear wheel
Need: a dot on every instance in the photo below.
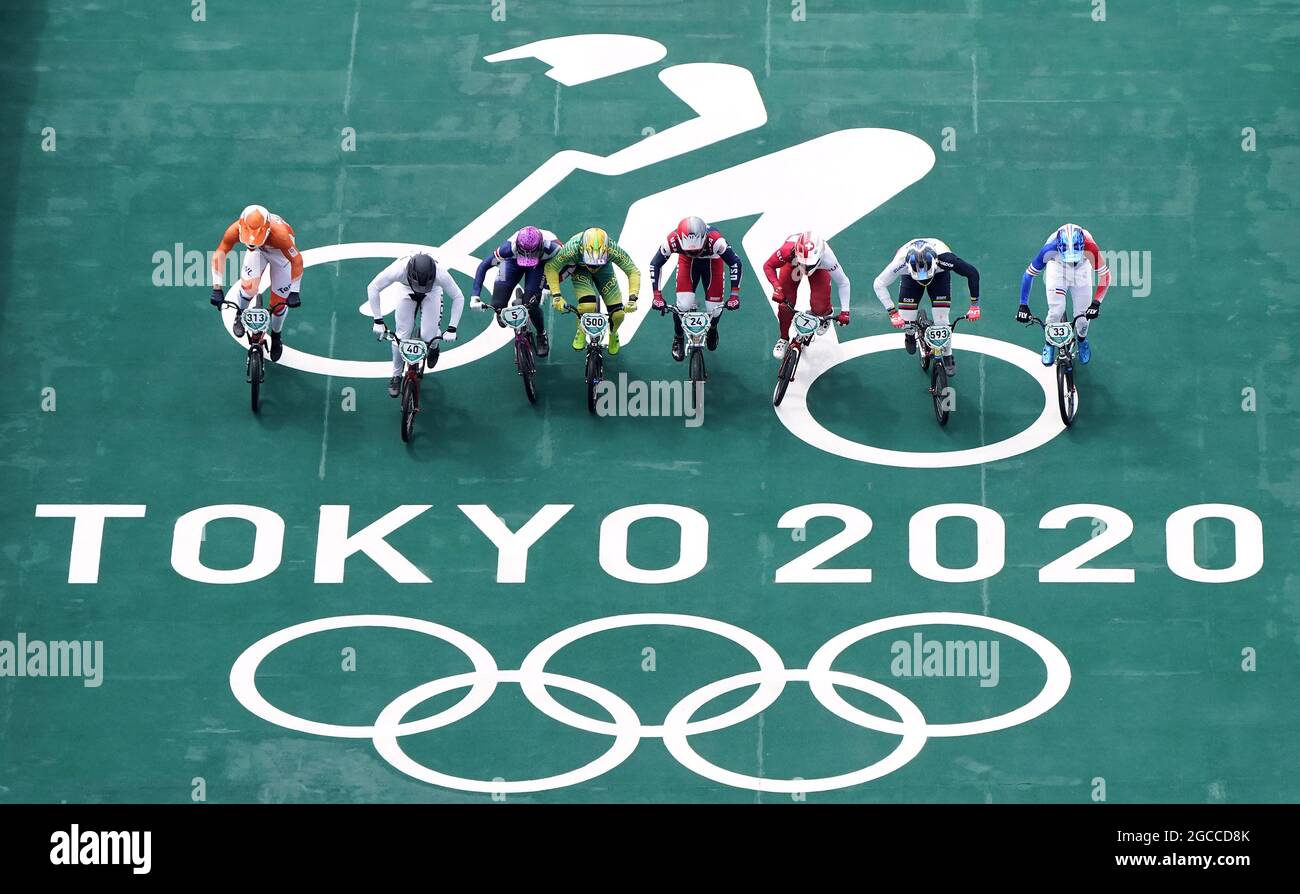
(595, 374)
(256, 373)
(1067, 398)
(697, 366)
(785, 375)
(410, 405)
(938, 387)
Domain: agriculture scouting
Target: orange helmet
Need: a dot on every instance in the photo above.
(254, 226)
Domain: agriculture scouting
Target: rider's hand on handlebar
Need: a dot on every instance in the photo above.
(629, 306)
(379, 328)
(218, 296)
(777, 295)
(974, 313)
(733, 303)
(294, 300)
(657, 303)
(895, 319)
(1093, 311)
(843, 318)
(557, 302)
(449, 334)
(1022, 314)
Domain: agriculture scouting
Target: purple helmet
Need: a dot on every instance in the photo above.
(528, 247)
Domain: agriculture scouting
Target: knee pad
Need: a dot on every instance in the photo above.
(616, 316)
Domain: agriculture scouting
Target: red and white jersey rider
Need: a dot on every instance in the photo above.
(805, 256)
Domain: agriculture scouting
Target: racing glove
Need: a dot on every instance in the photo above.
(449, 335)
(294, 300)
(1022, 314)
(895, 319)
(658, 302)
(733, 303)
(217, 296)
(1093, 311)
(974, 312)
(843, 318)
(379, 328)
(557, 303)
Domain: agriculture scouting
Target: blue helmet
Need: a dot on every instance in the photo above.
(922, 262)
(1069, 242)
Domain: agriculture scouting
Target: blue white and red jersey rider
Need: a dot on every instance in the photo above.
(1068, 259)
(703, 257)
(522, 257)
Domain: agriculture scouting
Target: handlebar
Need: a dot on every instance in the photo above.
(1073, 323)
(275, 309)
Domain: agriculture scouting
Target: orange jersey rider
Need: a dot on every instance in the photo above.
(267, 241)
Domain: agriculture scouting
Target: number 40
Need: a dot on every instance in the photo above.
(990, 538)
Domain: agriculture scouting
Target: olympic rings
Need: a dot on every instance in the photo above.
(626, 727)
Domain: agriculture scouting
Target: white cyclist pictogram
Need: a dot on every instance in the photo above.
(625, 727)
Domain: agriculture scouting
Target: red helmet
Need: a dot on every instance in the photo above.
(691, 233)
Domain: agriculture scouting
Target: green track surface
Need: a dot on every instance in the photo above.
(166, 127)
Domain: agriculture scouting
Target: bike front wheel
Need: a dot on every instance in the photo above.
(1067, 398)
(785, 375)
(256, 373)
(595, 374)
(410, 406)
(938, 390)
(697, 366)
(527, 369)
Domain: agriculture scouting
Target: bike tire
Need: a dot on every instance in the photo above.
(1067, 398)
(410, 403)
(938, 384)
(697, 366)
(595, 374)
(527, 369)
(785, 375)
(922, 349)
(256, 374)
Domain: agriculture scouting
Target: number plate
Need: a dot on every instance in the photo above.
(413, 350)
(806, 324)
(1059, 334)
(515, 316)
(256, 319)
(938, 337)
(695, 323)
(594, 325)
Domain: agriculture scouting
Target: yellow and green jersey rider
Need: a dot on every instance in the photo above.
(585, 260)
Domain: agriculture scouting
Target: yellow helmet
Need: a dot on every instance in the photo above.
(595, 247)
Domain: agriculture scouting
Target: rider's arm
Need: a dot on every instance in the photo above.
(734, 267)
(562, 258)
(1091, 250)
(887, 278)
(772, 265)
(628, 266)
(1035, 267)
(385, 278)
(657, 265)
(487, 264)
(964, 268)
(448, 285)
(219, 256)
